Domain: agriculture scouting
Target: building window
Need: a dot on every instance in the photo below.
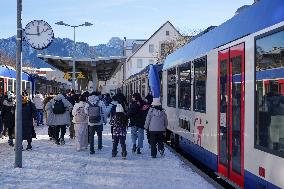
(184, 95)
(167, 33)
(151, 61)
(269, 100)
(200, 77)
(151, 48)
(139, 63)
(172, 87)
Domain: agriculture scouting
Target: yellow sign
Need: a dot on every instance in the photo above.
(67, 76)
(80, 75)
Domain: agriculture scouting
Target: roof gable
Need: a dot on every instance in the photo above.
(152, 36)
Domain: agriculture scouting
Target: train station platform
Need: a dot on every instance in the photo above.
(52, 166)
(93, 69)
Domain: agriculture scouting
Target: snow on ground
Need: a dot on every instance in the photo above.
(52, 166)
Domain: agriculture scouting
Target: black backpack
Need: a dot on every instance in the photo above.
(58, 107)
(113, 110)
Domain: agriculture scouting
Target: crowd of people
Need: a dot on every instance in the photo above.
(86, 114)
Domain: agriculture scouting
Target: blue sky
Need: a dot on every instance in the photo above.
(121, 18)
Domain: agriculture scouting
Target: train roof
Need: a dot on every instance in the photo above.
(250, 20)
(146, 70)
(11, 73)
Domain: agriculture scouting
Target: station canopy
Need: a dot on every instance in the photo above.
(105, 67)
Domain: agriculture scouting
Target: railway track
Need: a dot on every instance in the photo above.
(209, 175)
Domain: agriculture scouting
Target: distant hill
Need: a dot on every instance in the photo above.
(62, 47)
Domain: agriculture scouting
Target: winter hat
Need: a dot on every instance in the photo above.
(10, 95)
(156, 102)
(119, 108)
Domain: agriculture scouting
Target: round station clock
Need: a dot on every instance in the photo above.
(38, 34)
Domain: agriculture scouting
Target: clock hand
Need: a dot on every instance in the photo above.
(37, 29)
(31, 33)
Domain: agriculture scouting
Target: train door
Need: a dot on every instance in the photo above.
(231, 114)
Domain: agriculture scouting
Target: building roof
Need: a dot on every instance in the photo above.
(104, 66)
(168, 22)
(11, 73)
(250, 20)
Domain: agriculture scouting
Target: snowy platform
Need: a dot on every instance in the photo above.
(52, 166)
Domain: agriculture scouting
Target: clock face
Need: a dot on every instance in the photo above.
(38, 34)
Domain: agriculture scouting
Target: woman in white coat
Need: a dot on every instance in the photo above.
(80, 120)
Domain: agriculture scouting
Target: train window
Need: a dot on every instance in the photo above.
(28, 87)
(10, 84)
(200, 77)
(269, 113)
(184, 124)
(172, 87)
(184, 91)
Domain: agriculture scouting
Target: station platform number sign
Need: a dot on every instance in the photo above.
(68, 75)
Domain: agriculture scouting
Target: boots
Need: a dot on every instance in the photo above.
(29, 147)
(138, 151)
(62, 141)
(10, 142)
(124, 154)
(114, 153)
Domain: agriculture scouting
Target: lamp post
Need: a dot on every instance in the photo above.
(61, 23)
(18, 119)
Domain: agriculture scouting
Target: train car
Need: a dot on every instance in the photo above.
(224, 96)
(139, 83)
(8, 81)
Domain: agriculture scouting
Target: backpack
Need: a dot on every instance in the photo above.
(80, 115)
(113, 110)
(94, 113)
(58, 107)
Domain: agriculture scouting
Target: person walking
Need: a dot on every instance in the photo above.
(121, 99)
(58, 115)
(119, 125)
(51, 130)
(28, 113)
(157, 123)
(38, 102)
(136, 122)
(8, 116)
(97, 116)
(80, 120)
(72, 98)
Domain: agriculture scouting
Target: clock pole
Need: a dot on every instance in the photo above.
(18, 117)
(74, 62)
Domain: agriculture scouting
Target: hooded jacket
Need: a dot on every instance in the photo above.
(38, 101)
(93, 100)
(58, 119)
(8, 113)
(77, 106)
(156, 120)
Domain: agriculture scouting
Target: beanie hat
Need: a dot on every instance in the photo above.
(119, 108)
(156, 102)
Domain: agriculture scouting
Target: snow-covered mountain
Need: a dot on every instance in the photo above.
(62, 47)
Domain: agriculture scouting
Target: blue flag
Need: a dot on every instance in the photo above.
(154, 81)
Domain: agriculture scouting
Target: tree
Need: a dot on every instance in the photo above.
(169, 46)
(6, 60)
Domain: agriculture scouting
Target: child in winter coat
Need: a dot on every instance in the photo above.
(157, 123)
(119, 125)
(80, 120)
